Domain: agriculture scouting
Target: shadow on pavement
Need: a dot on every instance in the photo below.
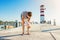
(4, 37)
(50, 30)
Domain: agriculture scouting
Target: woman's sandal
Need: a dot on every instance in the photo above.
(28, 34)
(22, 33)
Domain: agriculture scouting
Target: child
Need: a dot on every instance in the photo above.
(25, 16)
(27, 23)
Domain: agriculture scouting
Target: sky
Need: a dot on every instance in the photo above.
(12, 9)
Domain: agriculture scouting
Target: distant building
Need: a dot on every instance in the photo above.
(9, 24)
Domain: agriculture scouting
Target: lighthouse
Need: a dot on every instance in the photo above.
(42, 19)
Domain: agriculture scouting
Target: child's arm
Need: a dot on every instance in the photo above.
(28, 16)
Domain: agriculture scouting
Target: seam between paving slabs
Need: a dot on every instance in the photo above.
(52, 36)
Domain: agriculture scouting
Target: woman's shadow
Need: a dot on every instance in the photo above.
(4, 37)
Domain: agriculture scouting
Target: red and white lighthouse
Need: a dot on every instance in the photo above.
(42, 19)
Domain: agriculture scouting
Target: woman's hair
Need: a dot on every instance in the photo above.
(29, 14)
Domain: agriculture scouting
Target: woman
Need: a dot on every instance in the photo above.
(25, 16)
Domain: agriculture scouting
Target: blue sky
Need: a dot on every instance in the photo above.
(11, 9)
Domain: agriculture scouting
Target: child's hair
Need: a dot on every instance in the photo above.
(29, 14)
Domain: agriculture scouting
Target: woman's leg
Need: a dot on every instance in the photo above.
(22, 25)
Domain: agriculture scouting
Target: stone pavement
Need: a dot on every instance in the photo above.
(37, 32)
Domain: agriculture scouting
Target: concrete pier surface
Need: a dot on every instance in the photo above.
(37, 32)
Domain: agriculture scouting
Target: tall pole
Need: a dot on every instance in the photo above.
(16, 23)
(54, 22)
